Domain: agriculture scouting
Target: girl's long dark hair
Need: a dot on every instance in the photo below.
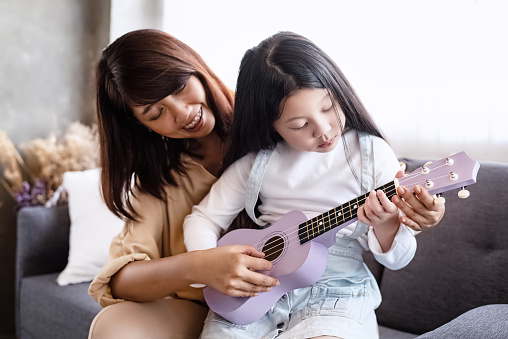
(139, 68)
(271, 72)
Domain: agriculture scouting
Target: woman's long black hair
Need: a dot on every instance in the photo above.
(140, 68)
(270, 73)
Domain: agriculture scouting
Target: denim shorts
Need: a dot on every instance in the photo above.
(340, 304)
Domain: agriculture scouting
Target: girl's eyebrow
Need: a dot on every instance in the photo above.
(326, 96)
(294, 118)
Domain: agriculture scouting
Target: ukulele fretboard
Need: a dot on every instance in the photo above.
(323, 223)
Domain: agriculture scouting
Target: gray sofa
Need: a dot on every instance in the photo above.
(459, 265)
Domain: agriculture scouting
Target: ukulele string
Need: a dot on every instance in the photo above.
(332, 219)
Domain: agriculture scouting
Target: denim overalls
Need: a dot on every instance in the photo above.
(340, 304)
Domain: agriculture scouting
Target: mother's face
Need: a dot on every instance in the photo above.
(181, 115)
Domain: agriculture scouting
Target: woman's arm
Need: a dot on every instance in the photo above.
(420, 211)
(229, 269)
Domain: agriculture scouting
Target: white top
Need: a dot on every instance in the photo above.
(296, 180)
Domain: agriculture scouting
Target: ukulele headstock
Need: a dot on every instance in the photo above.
(455, 171)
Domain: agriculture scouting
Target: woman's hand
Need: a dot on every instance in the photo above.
(232, 270)
(420, 211)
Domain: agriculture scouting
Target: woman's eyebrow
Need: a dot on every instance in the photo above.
(147, 108)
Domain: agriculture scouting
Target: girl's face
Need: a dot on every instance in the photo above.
(308, 121)
(183, 114)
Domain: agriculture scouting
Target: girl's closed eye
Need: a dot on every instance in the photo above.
(328, 109)
(301, 127)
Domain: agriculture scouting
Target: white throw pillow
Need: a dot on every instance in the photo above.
(93, 226)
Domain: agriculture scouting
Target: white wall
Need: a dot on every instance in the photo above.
(434, 73)
(129, 15)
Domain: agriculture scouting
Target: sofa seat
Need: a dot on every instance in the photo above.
(51, 311)
(390, 333)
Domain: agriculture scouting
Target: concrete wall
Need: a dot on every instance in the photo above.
(48, 50)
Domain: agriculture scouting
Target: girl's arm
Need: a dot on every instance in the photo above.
(378, 211)
(229, 269)
(215, 213)
(392, 243)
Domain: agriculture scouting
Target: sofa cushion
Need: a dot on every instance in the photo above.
(93, 226)
(459, 265)
(390, 333)
(51, 311)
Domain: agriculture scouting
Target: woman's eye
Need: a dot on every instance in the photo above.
(298, 128)
(158, 115)
(180, 89)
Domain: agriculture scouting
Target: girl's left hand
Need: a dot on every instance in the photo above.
(378, 210)
(420, 211)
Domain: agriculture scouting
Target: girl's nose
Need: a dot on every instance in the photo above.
(321, 129)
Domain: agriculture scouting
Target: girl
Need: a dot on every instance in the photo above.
(302, 140)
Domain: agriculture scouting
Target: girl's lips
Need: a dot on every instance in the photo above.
(327, 144)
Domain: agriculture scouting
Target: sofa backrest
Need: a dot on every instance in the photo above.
(460, 264)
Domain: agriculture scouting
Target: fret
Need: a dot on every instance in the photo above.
(334, 215)
(308, 234)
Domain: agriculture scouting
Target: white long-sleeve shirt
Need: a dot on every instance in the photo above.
(296, 180)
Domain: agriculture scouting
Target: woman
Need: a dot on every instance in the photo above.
(164, 120)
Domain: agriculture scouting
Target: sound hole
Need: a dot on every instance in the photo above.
(273, 248)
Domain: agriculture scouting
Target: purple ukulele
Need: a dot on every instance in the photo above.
(298, 248)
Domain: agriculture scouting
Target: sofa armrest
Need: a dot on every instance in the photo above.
(42, 240)
(42, 244)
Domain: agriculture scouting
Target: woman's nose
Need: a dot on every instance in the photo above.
(181, 111)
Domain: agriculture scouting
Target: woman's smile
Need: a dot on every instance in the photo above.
(192, 126)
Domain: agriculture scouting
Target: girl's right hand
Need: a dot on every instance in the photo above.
(232, 270)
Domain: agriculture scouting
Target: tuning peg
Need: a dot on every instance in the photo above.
(402, 166)
(463, 193)
(453, 176)
(429, 184)
(438, 199)
(449, 161)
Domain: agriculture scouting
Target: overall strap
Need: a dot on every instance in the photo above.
(254, 184)
(367, 179)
